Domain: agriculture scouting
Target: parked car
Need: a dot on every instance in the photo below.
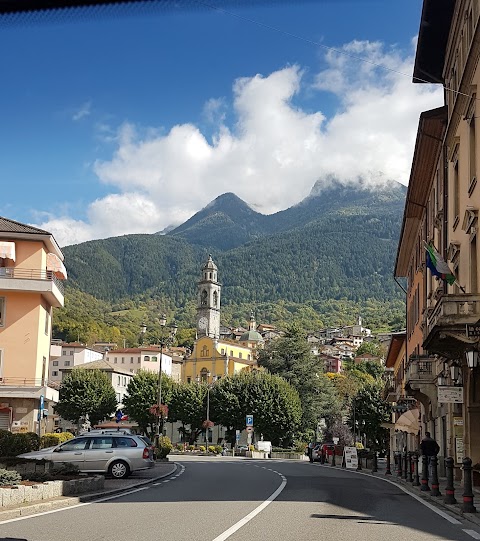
(116, 454)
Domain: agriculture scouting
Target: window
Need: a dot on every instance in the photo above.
(47, 320)
(204, 298)
(125, 442)
(154, 359)
(249, 357)
(223, 351)
(78, 444)
(132, 370)
(104, 442)
(456, 193)
(55, 363)
(231, 353)
(115, 360)
(146, 358)
(189, 379)
(215, 298)
(240, 355)
(131, 360)
(2, 311)
(118, 380)
(66, 363)
(123, 360)
(55, 373)
(138, 359)
(64, 351)
(72, 352)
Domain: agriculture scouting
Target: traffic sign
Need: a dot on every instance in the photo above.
(42, 402)
(249, 420)
(237, 435)
(249, 428)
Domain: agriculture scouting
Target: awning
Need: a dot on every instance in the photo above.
(55, 264)
(408, 422)
(7, 250)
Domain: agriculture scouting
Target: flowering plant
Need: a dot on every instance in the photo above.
(207, 424)
(159, 411)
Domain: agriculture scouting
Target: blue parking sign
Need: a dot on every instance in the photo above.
(249, 420)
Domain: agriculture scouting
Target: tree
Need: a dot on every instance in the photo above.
(369, 411)
(290, 358)
(142, 394)
(274, 404)
(373, 348)
(86, 393)
(187, 405)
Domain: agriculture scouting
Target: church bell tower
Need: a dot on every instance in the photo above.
(208, 304)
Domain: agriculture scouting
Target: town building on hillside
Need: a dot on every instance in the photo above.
(367, 357)
(31, 286)
(69, 355)
(332, 364)
(142, 358)
(356, 330)
(213, 358)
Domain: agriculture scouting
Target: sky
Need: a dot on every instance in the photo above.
(132, 122)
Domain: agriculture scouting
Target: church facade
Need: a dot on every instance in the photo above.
(212, 357)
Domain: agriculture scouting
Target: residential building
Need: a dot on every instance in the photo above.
(140, 358)
(442, 211)
(31, 274)
(71, 355)
(332, 364)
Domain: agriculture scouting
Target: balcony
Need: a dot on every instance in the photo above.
(420, 378)
(33, 281)
(444, 331)
(11, 387)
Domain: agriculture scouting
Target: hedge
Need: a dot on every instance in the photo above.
(50, 439)
(16, 444)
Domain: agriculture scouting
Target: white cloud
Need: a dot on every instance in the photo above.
(84, 111)
(276, 150)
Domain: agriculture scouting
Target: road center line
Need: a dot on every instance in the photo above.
(472, 533)
(227, 533)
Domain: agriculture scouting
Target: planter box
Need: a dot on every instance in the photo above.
(256, 454)
(290, 456)
(20, 494)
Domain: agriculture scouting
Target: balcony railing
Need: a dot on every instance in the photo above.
(22, 382)
(453, 310)
(31, 274)
(420, 370)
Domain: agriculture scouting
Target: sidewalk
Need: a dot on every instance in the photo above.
(112, 487)
(454, 508)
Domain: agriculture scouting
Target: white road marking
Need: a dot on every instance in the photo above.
(227, 533)
(472, 533)
(156, 484)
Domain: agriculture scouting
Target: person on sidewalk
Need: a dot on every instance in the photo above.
(429, 448)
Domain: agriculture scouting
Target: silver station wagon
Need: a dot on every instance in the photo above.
(115, 454)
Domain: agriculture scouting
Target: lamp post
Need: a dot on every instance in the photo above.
(167, 335)
(207, 421)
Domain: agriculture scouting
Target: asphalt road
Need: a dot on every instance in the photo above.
(214, 499)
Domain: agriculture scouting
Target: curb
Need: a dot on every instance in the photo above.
(471, 517)
(67, 501)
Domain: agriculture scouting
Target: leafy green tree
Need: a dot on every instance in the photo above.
(142, 394)
(290, 358)
(86, 393)
(368, 412)
(274, 403)
(373, 348)
(187, 405)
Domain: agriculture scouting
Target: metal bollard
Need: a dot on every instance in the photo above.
(435, 485)
(388, 471)
(450, 488)
(333, 459)
(399, 465)
(425, 487)
(467, 506)
(374, 462)
(416, 477)
(409, 467)
(359, 467)
(405, 465)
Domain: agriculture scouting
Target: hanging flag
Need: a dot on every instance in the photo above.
(438, 265)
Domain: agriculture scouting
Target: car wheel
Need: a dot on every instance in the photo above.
(119, 469)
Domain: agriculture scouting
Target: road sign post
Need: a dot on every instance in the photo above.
(249, 421)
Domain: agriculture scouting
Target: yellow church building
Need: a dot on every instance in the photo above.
(213, 358)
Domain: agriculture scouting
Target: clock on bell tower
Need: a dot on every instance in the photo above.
(208, 305)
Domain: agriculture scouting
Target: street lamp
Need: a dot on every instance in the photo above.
(167, 335)
(207, 421)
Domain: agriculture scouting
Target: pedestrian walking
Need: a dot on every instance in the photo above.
(429, 448)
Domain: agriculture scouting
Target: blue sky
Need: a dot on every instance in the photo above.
(128, 124)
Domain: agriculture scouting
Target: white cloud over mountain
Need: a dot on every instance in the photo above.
(273, 154)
